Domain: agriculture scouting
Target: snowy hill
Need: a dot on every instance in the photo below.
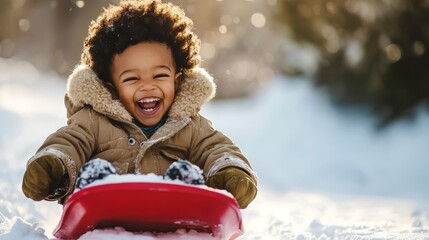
(323, 174)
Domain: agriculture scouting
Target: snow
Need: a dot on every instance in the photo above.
(153, 178)
(186, 172)
(121, 234)
(323, 174)
(111, 179)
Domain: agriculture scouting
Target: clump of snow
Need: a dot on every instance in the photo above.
(186, 172)
(94, 170)
(97, 170)
(148, 178)
(120, 234)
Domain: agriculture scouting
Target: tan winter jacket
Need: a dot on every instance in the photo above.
(100, 127)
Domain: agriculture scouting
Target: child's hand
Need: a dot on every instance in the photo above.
(235, 181)
(42, 177)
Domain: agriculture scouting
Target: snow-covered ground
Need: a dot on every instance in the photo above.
(323, 174)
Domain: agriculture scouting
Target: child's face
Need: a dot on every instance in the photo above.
(146, 80)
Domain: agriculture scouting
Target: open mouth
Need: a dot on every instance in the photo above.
(149, 105)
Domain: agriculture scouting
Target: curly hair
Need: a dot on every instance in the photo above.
(133, 22)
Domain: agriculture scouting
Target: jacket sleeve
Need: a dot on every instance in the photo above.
(72, 145)
(214, 151)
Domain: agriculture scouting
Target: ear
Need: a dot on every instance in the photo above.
(112, 89)
(177, 80)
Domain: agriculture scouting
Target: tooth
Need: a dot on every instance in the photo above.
(148, 100)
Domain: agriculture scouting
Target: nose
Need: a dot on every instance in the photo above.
(146, 84)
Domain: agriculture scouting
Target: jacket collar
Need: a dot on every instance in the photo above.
(85, 88)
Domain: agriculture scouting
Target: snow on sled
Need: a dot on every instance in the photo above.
(150, 207)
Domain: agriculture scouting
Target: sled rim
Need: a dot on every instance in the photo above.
(229, 216)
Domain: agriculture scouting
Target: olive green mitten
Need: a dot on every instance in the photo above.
(42, 177)
(236, 181)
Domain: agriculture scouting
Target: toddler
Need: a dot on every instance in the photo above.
(134, 101)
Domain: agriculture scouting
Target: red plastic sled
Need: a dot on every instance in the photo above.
(150, 207)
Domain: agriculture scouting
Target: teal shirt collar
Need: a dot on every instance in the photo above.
(150, 130)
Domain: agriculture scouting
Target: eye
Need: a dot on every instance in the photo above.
(161, 75)
(130, 79)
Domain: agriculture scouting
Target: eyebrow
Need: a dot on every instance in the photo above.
(158, 66)
(164, 66)
(122, 73)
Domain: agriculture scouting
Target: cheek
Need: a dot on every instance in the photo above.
(126, 95)
(171, 90)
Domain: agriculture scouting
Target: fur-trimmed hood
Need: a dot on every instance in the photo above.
(85, 88)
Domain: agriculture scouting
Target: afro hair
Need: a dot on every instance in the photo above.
(132, 22)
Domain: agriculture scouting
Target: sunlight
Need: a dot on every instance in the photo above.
(22, 101)
(24, 25)
(258, 20)
(208, 50)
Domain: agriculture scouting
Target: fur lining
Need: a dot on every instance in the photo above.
(195, 89)
(85, 88)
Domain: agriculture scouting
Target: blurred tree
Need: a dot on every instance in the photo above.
(7, 30)
(373, 54)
